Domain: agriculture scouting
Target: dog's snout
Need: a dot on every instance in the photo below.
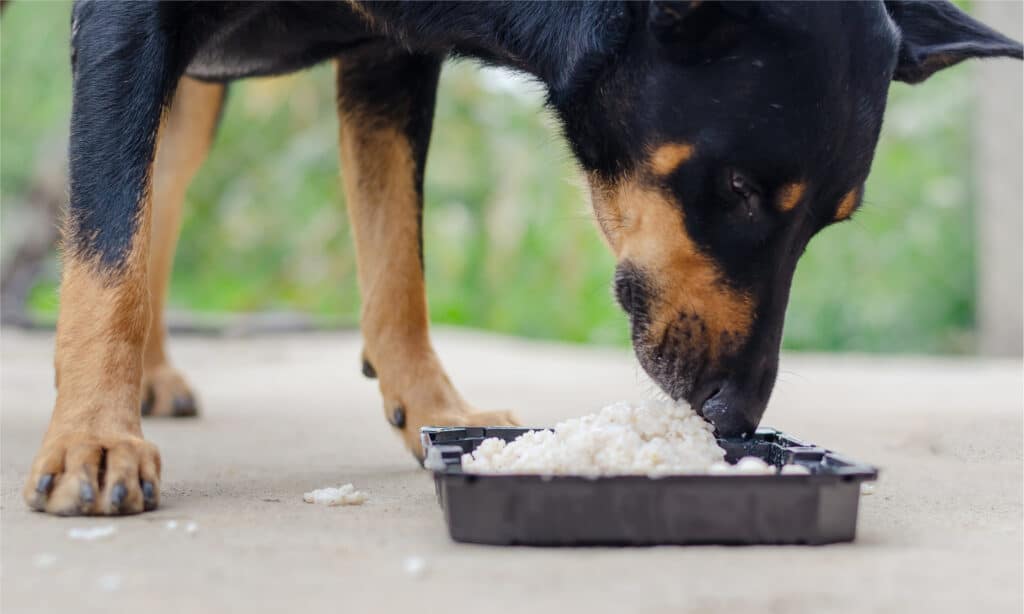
(733, 413)
(733, 404)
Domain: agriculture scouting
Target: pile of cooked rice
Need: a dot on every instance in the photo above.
(654, 438)
(346, 494)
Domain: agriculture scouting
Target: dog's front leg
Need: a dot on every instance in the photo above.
(386, 107)
(93, 459)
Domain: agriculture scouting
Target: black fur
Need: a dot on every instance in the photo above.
(777, 92)
(634, 293)
(234, 40)
(561, 43)
(937, 35)
(124, 73)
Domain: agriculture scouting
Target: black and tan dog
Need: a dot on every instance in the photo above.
(717, 139)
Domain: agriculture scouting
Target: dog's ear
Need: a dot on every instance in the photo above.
(698, 27)
(936, 35)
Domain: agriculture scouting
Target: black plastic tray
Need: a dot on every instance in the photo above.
(819, 508)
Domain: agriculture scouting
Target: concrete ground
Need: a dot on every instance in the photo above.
(284, 414)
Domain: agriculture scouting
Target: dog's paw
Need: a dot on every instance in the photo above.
(408, 421)
(84, 473)
(166, 393)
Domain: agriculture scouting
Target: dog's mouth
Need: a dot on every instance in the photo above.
(684, 366)
(686, 351)
(676, 355)
(678, 359)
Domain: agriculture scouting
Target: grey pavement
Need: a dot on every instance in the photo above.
(287, 413)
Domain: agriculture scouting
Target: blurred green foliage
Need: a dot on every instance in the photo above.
(510, 245)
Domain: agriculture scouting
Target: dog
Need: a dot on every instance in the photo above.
(716, 138)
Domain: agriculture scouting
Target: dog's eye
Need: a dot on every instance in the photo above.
(744, 190)
(741, 184)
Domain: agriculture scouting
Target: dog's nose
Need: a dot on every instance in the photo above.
(732, 412)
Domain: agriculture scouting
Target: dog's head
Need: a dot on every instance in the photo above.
(725, 136)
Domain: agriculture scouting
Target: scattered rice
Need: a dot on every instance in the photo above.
(109, 582)
(654, 438)
(342, 495)
(92, 533)
(414, 566)
(44, 560)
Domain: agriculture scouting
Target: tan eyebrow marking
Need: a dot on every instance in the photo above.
(846, 205)
(790, 195)
(667, 158)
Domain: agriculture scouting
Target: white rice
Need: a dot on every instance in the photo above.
(751, 465)
(415, 566)
(44, 560)
(92, 533)
(794, 470)
(649, 438)
(342, 495)
(109, 582)
(653, 438)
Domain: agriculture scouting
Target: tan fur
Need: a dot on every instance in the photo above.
(666, 158)
(357, 6)
(378, 169)
(846, 205)
(101, 330)
(790, 195)
(647, 229)
(186, 137)
(94, 442)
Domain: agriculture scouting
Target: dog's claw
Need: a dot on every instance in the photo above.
(42, 491)
(148, 495)
(368, 370)
(184, 406)
(44, 484)
(86, 494)
(398, 417)
(117, 495)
